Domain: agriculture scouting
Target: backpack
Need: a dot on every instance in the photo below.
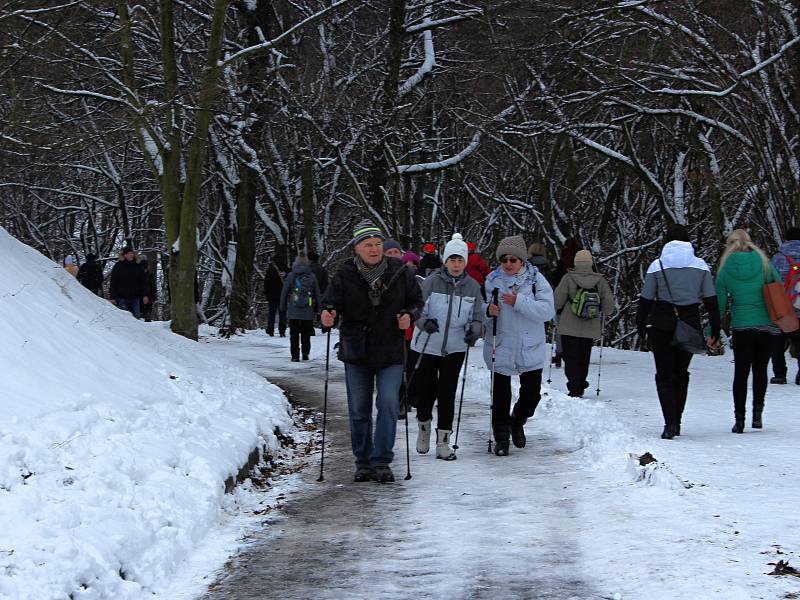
(303, 293)
(791, 283)
(586, 303)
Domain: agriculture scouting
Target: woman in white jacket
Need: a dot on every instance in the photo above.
(522, 302)
(451, 320)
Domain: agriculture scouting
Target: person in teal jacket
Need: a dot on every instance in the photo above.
(743, 271)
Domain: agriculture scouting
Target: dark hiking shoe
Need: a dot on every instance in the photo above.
(501, 448)
(271, 333)
(557, 361)
(738, 426)
(779, 380)
(383, 474)
(518, 436)
(757, 418)
(677, 430)
(305, 356)
(364, 474)
(668, 433)
(295, 359)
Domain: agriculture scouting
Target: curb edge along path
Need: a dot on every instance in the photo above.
(479, 527)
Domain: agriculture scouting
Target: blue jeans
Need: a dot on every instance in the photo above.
(361, 381)
(134, 305)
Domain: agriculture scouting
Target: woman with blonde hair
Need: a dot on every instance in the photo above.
(743, 271)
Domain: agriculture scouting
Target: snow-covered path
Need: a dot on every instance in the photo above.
(452, 531)
(570, 516)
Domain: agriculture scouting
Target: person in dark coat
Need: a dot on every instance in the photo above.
(91, 275)
(128, 289)
(320, 272)
(152, 292)
(375, 298)
(273, 285)
(565, 262)
(300, 300)
(431, 261)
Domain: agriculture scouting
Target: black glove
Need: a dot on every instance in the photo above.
(430, 326)
(473, 335)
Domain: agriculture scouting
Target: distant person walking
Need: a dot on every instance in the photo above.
(743, 270)
(273, 286)
(91, 275)
(565, 262)
(70, 266)
(582, 297)
(675, 286)
(320, 272)
(300, 300)
(524, 305)
(785, 260)
(152, 290)
(128, 288)
(375, 298)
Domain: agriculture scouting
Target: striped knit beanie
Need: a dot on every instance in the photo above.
(366, 230)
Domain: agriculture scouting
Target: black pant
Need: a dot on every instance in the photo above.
(409, 385)
(751, 351)
(437, 381)
(672, 375)
(300, 329)
(529, 396)
(576, 352)
(272, 313)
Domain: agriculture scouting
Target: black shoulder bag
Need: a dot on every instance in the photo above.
(686, 337)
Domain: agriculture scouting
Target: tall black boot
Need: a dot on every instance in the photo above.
(757, 410)
(738, 426)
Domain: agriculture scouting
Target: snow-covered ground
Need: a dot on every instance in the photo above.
(570, 516)
(116, 438)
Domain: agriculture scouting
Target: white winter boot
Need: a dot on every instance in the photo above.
(443, 449)
(424, 436)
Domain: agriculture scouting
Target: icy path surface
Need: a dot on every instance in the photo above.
(571, 516)
(453, 530)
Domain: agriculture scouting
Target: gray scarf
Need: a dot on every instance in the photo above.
(371, 274)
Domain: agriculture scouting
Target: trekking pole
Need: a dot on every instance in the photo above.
(552, 351)
(461, 401)
(407, 380)
(600, 359)
(495, 293)
(325, 402)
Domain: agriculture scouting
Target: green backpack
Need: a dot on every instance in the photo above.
(586, 303)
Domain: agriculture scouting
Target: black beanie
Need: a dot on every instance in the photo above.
(676, 233)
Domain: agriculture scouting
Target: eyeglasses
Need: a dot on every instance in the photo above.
(509, 259)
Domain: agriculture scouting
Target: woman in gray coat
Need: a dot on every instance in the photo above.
(300, 299)
(451, 320)
(581, 290)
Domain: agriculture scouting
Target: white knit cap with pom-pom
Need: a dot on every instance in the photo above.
(456, 247)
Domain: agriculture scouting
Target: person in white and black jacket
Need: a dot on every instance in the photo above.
(451, 320)
(675, 286)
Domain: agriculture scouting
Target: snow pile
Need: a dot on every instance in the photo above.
(116, 438)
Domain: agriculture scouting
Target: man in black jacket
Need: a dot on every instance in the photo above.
(376, 299)
(128, 289)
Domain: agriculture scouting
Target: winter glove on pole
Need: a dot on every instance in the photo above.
(473, 334)
(430, 326)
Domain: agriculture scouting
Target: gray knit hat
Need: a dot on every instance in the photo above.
(513, 245)
(366, 230)
(388, 244)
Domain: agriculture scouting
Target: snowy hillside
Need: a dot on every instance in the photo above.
(116, 437)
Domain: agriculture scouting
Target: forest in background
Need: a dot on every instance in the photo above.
(214, 135)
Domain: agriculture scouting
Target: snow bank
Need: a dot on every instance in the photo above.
(116, 437)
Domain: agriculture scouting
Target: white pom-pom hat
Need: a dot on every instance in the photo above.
(456, 247)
